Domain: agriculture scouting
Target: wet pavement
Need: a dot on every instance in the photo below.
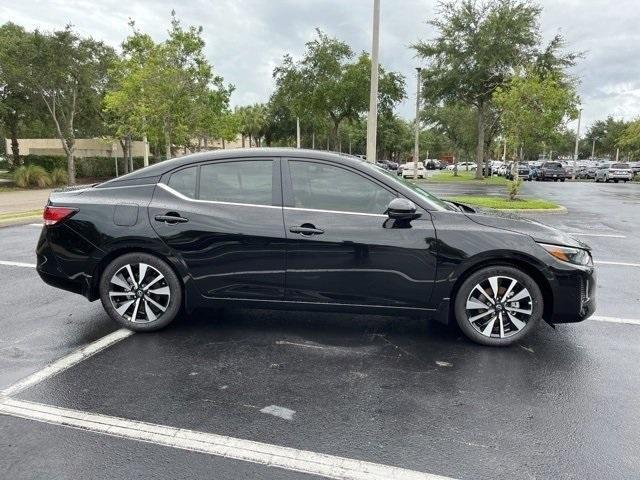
(394, 391)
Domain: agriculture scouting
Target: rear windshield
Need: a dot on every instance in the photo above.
(552, 165)
(620, 165)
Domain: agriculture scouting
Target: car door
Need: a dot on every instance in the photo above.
(343, 249)
(223, 219)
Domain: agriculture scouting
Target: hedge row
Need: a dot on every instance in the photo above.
(93, 167)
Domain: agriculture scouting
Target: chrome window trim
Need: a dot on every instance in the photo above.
(335, 211)
(215, 202)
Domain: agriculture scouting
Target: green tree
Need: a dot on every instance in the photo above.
(606, 134)
(457, 122)
(478, 46)
(629, 140)
(16, 100)
(534, 108)
(69, 74)
(329, 82)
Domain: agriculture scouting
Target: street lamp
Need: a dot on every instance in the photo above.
(575, 151)
(416, 146)
(372, 121)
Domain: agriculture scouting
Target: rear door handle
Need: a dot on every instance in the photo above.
(306, 229)
(171, 217)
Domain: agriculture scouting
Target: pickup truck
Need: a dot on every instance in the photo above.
(551, 171)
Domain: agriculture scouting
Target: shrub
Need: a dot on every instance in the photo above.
(514, 188)
(31, 176)
(48, 162)
(59, 177)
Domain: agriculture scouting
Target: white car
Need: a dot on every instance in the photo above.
(614, 172)
(408, 170)
(466, 166)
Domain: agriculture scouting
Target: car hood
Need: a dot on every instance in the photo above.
(514, 223)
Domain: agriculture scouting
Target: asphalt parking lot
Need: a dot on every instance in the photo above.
(325, 395)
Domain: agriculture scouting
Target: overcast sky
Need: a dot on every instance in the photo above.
(246, 39)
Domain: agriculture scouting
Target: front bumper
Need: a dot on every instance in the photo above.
(573, 295)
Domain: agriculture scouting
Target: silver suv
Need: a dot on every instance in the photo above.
(615, 172)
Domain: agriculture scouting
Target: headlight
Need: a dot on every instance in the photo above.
(577, 256)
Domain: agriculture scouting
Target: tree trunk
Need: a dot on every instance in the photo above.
(480, 147)
(71, 168)
(199, 147)
(167, 146)
(243, 141)
(313, 140)
(15, 146)
(223, 144)
(125, 155)
(206, 143)
(129, 158)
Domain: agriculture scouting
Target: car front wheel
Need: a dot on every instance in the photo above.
(141, 292)
(497, 306)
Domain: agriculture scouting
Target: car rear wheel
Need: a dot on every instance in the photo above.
(141, 292)
(498, 305)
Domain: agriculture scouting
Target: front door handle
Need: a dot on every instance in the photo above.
(306, 229)
(171, 217)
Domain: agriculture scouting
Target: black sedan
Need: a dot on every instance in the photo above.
(296, 229)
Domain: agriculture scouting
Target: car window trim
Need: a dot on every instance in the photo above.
(216, 202)
(287, 190)
(276, 180)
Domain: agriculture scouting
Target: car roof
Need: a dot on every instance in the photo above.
(156, 170)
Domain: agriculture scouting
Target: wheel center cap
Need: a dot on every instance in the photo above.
(139, 293)
(499, 307)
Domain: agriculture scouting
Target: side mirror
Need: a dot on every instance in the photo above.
(402, 209)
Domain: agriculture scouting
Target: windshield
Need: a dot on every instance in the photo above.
(431, 199)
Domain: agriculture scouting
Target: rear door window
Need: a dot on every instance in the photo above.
(247, 182)
(184, 181)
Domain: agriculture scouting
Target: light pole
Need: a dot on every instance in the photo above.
(372, 121)
(416, 146)
(593, 148)
(575, 151)
(297, 132)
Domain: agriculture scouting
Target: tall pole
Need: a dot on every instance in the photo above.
(416, 146)
(575, 151)
(372, 121)
(593, 148)
(298, 132)
(146, 150)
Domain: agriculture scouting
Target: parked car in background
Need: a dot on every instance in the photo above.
(551, 171)
(433, 164)
(533, 172)
(408, 170)
(392, 165)
(615, 172)
(504, 168)
(306, 230)
(382, 164)
(523, 172)
(463, 166)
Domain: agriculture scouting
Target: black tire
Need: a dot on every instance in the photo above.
(615, 180)
(144, 319)
(562, 179)
(536, 304)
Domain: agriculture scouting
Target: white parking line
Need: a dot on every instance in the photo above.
(66, 362)
(17, 264)
(36, 224)
(286, 458)
(609, 235)
(601, 318)
(623, 264)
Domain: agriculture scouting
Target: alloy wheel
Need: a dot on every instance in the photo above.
(139, 293)
(499, 307)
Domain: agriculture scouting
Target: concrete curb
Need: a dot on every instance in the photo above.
(551, 211)
(15, 222)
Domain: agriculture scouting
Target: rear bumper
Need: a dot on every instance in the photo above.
(51, 272)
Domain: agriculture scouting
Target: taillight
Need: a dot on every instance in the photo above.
(53, 215)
